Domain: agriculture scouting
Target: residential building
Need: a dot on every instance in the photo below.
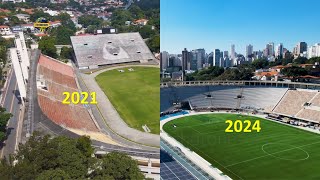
(23, 17)
(5, 30)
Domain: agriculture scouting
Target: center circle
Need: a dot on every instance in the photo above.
(291, 147)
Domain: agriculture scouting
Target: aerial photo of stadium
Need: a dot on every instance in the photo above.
(283, 145)
(123, 101)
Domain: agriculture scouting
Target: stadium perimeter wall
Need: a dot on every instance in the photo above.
(244, 83)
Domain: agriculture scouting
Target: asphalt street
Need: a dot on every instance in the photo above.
(11, 102)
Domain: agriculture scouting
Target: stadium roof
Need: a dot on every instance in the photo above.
(104, 49)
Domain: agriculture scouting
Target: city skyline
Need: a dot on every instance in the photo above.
(235, 22)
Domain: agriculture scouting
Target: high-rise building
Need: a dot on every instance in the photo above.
(271, 49)
(249, 51)
(216, 57)
(314, 51)
(301, 47)
(225, 54)
(164, 58)
(185, 60)
(193, 60)
(233, 52)
(221, 61)
(201, 55)
(279, 52)
(210, 59)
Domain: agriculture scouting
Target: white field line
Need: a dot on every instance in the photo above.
(225, 167)
(271, 154)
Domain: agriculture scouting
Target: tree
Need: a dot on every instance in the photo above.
(44, 157)
(154, 43)
(136, 12)
(66, 53)
(119, 17)
(146, 31)
(40, 14)
(13, 20)
(66, 21)
(63, 35)
(294, 72)
(118, 166)
(300, 60)
(87, 20)
(46, 45)
(4, 118)
(260, 63)
(53, 174)
(2, 21)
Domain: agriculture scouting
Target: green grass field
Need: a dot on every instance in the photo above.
(135, 95)
(276, 152)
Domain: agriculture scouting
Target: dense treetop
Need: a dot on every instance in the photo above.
(45, 157)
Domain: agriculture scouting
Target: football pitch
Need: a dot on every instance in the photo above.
(277, 152)
(135, 95)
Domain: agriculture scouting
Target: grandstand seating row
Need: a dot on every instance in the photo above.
(269, 99)
(59, 78)
(66, 115)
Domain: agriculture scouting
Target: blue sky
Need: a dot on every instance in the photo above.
(214, 24)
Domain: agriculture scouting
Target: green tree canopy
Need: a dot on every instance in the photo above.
(44, 157)
(40, 14)
(4, 118)
(46, 45)
(118, 166)
(154, 43)
(260, 63)
(63, 35)
(294, 71)
(66, 53)
(87, 20)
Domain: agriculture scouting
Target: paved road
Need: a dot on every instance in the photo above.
(11, 103)
(111, 115)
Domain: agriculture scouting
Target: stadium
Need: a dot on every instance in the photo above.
(119, 121)
(284, 145)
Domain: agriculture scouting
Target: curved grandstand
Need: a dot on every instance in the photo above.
(53, 79)
(284, 108)
(287, 99)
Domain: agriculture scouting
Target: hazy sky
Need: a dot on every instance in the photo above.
(214, 24)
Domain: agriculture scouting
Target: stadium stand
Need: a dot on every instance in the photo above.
(316, 100)
(54, 78)
(297, 103)
(293, 101)
(261, 98)
(309, 114)
(92, 51)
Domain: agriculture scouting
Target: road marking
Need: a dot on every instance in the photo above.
(296, 147)
(18, 129)
(9, 119)
(13, 98)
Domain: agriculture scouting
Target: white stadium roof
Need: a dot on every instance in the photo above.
(104, 49)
